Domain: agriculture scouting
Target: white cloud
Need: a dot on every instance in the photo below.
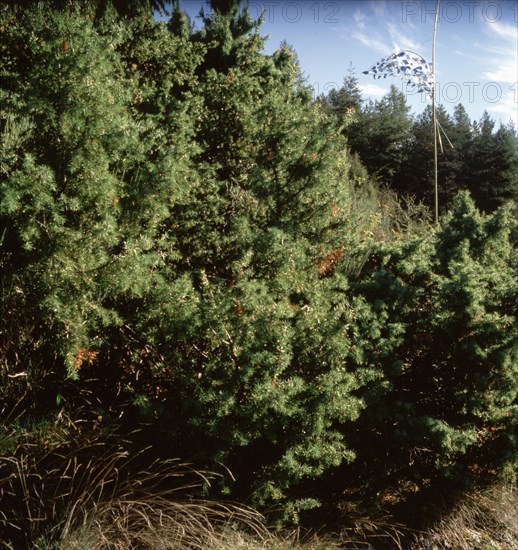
(507, 107)
(379, 7)
(400, 41)
(504, 30)
(372, 89)
(387, 37)
(372, 42)
(503, 65)
(359, 19)
(505, 70)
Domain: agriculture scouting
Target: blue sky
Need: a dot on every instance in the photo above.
(476, 56)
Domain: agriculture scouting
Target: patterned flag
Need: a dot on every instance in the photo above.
(409, 66)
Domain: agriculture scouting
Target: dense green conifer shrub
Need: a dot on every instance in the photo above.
(445, 412)
(181, 245)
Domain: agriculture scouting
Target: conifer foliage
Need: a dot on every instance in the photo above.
(167, 199)
(66, 134)
(447, 413)
(398, 149)
(181, 247)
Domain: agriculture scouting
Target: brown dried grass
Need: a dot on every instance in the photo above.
(483, 520)
(70, 490)
(62, 489)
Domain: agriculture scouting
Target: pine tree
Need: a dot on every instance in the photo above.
(171, 233)
(461, 136)
(472, 157)
(380, 135)
(86, 202)
(493, 163)
(416, 175)
(417, 172)
(179, 234)
(462, 132)
(346, 102)
(225, 7)
(127, 8)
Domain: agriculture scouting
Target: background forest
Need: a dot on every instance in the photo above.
(204, 268)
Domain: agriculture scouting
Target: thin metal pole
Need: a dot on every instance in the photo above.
(434, 115)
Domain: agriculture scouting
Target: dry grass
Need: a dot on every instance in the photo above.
(199, 535)
(485, 520)
(64, 490)
(153, 522)
(68, 490)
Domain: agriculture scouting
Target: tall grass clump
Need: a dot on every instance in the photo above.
(86, 490)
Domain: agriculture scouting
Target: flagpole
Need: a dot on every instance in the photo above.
(434, 115)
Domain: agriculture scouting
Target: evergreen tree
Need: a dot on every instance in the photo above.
(380, 135)
(226, 229)
(461, 136)
(262, 227)
(66, 138)
(179, 235)
(472, 157)
(446, 415)
(226, 7)
(493, 164)
(462, 132)
(125, 8)
(91, 246)
(346, 102)
(416, 175)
